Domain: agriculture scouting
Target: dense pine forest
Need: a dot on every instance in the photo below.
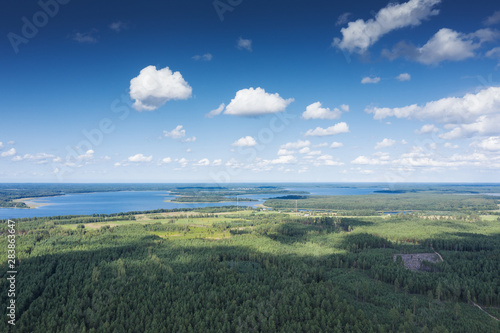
(222, 269)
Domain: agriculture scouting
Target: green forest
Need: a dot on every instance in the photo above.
(224, 269)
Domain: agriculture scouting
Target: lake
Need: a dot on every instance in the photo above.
(126, 201)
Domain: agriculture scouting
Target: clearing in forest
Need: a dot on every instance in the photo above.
(415, 261)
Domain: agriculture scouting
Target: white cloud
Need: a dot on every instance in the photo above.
(118, 26)
(203, 162)
(10, 152)
(425, 129)
(315, 111)
(448, 44)
(183, 162)
(332, 130)
(466, 109)
(336, 145)
(152, 88)
(244, 44)
(445, 45)
(191, 139)
(45, 156)
(176, 133)
(363, 160)
(368, 79)
(203, 57)
(296, 145)
(217, 162)
(491, 144)
(359, 35)
(403, 77)
(89, 37)
(483, 125)
(284, 151)
(216, 112)
(284, 159)
(305, 150)
(255, 102)
(89, 154)
(452, 146)
(494, 53)
(493, 19)
(314, 153)
(246, 141)
(327, 160)
(166, 160)
(385, 143)
(140, 158)
(1, 145)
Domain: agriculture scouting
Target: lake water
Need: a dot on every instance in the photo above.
(126, 201)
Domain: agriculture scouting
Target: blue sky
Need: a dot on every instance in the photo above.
(122, 91)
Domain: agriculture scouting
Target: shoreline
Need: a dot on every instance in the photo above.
(29, 202)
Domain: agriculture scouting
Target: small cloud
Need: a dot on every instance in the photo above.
(152, 88)
(452, 146)
(89, 37)
(246, 141)
(10, 152)
(493, 19)
(315, 111)
(216, 112)
(255, 102)
(342, 19)
(429, 128)
(332, 130)
(1, 145)
(385, 143)
(244, 44)
(336, 145)
(191, 139)
(89, 154)
(176, 133)
(183, 162)
(118, 26)
(283, 151)
(284, 159)
(11, 142)
(140, 158)
(305, 150)
(166, 160)
(203, 162)
(367, 161)
(403, 77)
(368, 79)
(491, 144)
(204, 57)
(217, 162)
(296, 145)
